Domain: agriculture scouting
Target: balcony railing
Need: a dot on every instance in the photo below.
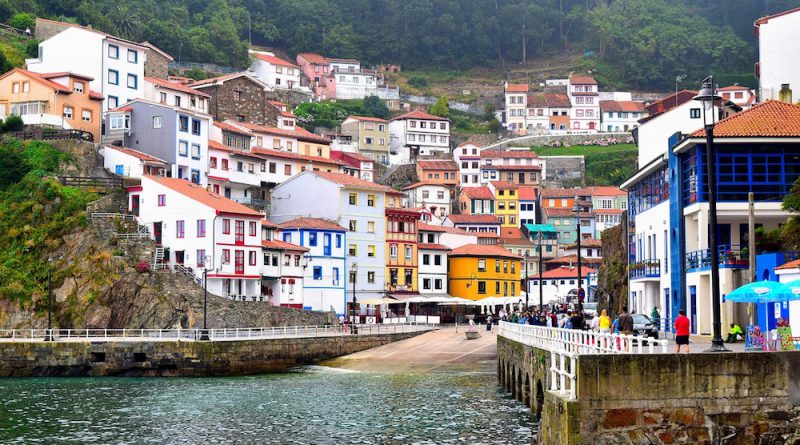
(731, 256)
(259, 204)
(644, 269)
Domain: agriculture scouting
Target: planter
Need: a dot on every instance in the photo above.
(473, 335)
(742, 262)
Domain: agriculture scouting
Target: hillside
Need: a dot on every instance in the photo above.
(627, 43)
(609, 165)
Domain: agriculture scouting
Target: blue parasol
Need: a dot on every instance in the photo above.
(793, 288)
(762, 292)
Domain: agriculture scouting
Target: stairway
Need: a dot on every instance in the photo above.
(158, 258)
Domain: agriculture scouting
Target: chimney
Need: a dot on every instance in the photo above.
(785, 94)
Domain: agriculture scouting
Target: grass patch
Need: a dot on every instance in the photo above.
(605, 165)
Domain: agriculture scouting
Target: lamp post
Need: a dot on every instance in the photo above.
(204, 333)
(355, 276)
(541, 262)
(576, 209)
(707, 97)
(48, 336)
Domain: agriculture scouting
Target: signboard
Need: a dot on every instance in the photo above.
(753, 338)
(785, 337)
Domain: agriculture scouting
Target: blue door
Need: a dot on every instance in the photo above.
(120, 170)
(693, 307)
(666, 312)
(326, 244)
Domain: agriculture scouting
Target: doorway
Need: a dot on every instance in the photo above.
(693, 307)
(135, 205)
(157, 232)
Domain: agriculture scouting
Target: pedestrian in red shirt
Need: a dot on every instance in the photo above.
(681, 331)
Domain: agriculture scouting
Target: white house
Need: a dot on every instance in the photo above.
(778, 58)
(274, 71)
(585, 111)
(516, 107)
(351, 202)
(620, 116)
(282, 268)
(200, 230)
(175, 94)
(432, 262)
(115, 64)
(786, 273)
(468, 158)
(560, 283)
(432, 196)
(527, 205)
(352, 82)
(131, 163)
(740, 95)
(416, 134)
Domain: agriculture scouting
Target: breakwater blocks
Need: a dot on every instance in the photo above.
(178, 358)
(741, 398)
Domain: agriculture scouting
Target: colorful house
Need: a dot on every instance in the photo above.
(481, 271)
(506, 198)
(476, 201)
(401, 249)
(282, 268)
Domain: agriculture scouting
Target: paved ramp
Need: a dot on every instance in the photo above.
(444, 350)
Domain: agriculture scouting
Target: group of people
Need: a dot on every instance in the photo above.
(569, 319)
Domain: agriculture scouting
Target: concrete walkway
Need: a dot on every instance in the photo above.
(445, 350)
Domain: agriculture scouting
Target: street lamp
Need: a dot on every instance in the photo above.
(48, 336)
(707, 97)
(354, 274)
(204, 332)
(576, 209)
(541, 294)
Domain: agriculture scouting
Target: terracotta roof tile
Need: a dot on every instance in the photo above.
(624, 106)
(311, 223)
(424, 183)
(174, 86)
(484, 234)
(428, 246)
(560, 212)
(608, 211)
(769, 119)
(282, 245)
(582, 80)
(39, 78)
(548, 100)
(586, 243)
(477, 192)
(274, 60)
(607, 191)
(214, 145)
(669, 102)
(567, 272)
(203, 196)
(766, 19)
(502, 185)
(474, 219)
(429, 227)
(488, 250)
(314, 58)
(508, 154)
(352, 181)
(368, 119)
(790, 265)
(564, 193)
(66, 74)
(517, 88)
(137, 154)
(289, 155)
(232, 128)
(734, 88)
(267, 223)
(437, 165)
(527, 193)
(420, 115)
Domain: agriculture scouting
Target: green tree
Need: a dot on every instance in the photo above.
(5, 65)
(23, 21)
(441, 107)
(12, 165)
(13, 123)
(374, 106)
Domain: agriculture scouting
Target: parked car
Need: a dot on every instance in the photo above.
(590, 309)
(644, 327)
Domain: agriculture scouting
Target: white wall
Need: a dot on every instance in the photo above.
(654, 134)
(132, 166)
(432, 272)
(779, 59)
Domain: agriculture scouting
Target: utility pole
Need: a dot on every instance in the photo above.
(355, 276)
(751, 246)
(527, 283)
(541, 294)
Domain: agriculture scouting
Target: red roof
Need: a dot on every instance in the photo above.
(96, 95)
(548, 100)
(484, 234)
(352, 181)
(567, 272)
(311, 223)
(489, 250)
(477, 192)
(669, 102)
(367, 119)
(232, 128)
(41, 79)
(582, 80)
(429, 227)
(203, 196)
(586, 243)
(561, 212)
(299, 133)
(564, 193)
(511, 232)
(607, 191)
(573, 259)
(609, 211)
(420, 115)
(766, 19)
(428, 246)
(437, 165)
(517, 88)
(624, 106)
(225, 78)
(267, 223)
(769, 119)
(314, 58)
(274, 60)
(214, 145)
(423, 183)
(504, 185)
(508, 154)
(734, 88)
(290, 155)
(790, 265)
(174, 86)
(474, 219)
(527, 193)
(137, 154)
(66, 74)
(464, 144)
(281, 245)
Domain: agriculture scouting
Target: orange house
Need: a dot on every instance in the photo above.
(56, 100)
(438, 172)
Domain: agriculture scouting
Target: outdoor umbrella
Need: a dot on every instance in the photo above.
(793, 288)
(761, 292)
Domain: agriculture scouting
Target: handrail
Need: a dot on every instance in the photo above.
(579, 342)
(104, 215)
(223, 334)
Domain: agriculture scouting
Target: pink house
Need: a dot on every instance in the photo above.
(316, 69)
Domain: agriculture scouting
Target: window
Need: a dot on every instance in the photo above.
(481, 265)
(312, 238)
(497, 287)
(156, 121)
(694, 113)
(317, 272)
(201, 258)
(338, 241)
(437, 260)
(113, 102)
(226, 228)
(272, 167)
(133, 81)
(196, 127)
(371, 226)
(370, 251)
(252, 257)
(237, 95)
(113, 51)
(162, 200)
(183, 123)
(287, 170)
(195, 151)
(370, 277)
(183, 148)
(481, 287)
(352, 225)
(253, 228)
(67, 112)
(133, 56)
(426, 283)
(497, 265)
(370, 200)
(201, 228)
(426, 259)
(179, 229)
(113, 77)
(226, 256)
(393, 251)
(408, 251)
(353, 199)
(352, 250)
(225, 164)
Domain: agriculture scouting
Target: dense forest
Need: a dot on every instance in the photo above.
(636, 43)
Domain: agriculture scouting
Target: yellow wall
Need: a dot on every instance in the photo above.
(508, 197)
(401, 240)
(463, 268)
(313, 149)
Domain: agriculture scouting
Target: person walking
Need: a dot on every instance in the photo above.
(489, 323)
(681, 331)
(656, 317)
(625, 321)
(604, 323)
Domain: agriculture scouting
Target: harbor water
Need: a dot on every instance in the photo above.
(310, 405)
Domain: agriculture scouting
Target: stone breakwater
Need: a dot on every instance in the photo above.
(178, 358)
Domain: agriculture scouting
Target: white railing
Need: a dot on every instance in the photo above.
(580, 342)
(123, 216)
(562, 373)
(227, 334)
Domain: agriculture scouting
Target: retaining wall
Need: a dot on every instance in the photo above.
(178, 358)
(731, 398)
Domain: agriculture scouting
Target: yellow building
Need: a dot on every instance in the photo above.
(401, 247)
(480, 271)
(506, 202)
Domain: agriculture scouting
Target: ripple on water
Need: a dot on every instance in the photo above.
(309, 405)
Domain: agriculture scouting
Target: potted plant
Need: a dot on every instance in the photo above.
(730, 257)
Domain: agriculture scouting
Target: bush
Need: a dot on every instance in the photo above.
(12, 123)
(418, 82)
(23, 21)
(32, 49)
(142, 267)
(118, 252)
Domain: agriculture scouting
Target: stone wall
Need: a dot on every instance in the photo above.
(251, 103)
(155, 64)
(564, 171)
(45, 29)
(177, 358)
(542, 140)
(733, 398)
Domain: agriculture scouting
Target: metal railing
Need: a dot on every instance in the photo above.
(578, 341)
(644, 269)
(90, 181)
(48, 134)
(730, 257)
(227, 334)
(122, 216)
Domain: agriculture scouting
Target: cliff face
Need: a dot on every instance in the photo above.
(612, 278)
